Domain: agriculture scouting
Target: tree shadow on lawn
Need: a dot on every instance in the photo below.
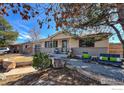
(52, 76)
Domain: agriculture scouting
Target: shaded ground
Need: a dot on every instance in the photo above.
(50, 77)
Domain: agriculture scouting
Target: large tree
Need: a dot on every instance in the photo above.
(7, 36)
(103, 17)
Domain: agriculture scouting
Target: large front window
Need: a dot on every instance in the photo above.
(86, 43)
(51, 44)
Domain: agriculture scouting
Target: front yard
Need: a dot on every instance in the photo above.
(16, 57)
(76, 72)
(50, 76)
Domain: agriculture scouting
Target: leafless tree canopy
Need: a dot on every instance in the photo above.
(34, 34)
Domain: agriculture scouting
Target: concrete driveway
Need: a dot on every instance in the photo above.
(111, 72)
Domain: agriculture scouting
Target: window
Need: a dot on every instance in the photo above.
(55, 44)
(50, 44)
(37, 46)
(46, 44)
(26, 46)
(86, 43)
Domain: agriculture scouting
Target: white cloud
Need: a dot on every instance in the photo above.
(24, 36)
(19, 24)
(20, 37)
(24, 27)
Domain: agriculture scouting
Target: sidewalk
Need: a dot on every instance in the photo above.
(107, 74)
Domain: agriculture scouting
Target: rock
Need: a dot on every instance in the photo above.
(2, 76)
(1, 61)
(43, 82)
(9, 65)
(58, 62)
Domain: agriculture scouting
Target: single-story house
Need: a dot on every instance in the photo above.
(64, 41)
(25, 48)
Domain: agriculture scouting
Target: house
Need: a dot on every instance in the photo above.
(25, 48)
(64, 41)
(15, 48)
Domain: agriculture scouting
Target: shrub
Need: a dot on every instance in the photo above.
(41, 61)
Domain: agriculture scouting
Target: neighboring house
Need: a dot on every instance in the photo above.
(15, 48)
(25, 48)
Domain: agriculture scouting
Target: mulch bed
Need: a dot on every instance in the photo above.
(63, 76)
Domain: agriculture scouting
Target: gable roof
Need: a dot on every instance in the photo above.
(62, 32)
(98, 36)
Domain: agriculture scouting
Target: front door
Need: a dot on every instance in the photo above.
(64, 45)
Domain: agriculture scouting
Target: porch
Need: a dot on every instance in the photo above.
(62, 45)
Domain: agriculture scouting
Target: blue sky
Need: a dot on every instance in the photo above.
(24, 26)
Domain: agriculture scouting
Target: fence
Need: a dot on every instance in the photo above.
(48, 50)
(44, 50)
(77, 51)
(116, 49)
(94, 51)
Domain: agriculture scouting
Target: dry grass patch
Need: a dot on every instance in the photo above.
(16, 60)
(21, 59)
(16, 57)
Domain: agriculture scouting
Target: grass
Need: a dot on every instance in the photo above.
(22, 59)
(17, 57)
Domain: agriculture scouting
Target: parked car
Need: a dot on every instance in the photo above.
(4, 50)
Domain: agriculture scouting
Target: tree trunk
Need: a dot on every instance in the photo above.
(120, 8)
(123, 49)
(120, 37)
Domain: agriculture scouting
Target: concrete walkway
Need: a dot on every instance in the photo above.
(109, 72)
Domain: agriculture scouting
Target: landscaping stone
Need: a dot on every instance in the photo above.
(43, 82)
(2, 76)
(1, 61)
(8, 64)
(21, 70)
(58, 62)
